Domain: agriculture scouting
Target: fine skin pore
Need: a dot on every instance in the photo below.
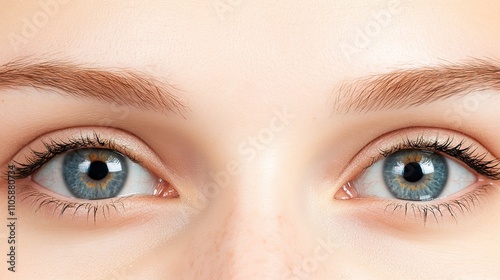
(255, 115)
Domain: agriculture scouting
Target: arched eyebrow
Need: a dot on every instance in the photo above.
(121, 87)
(415, 87)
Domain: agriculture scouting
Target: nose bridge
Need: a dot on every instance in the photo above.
(256, 244)
(256, 231)
(253, 236)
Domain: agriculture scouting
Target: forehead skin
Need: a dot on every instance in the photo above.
(254, 53)
(235, 64)
(300, 46)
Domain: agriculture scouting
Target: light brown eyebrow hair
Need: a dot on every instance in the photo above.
(121, 87)
(414, 87)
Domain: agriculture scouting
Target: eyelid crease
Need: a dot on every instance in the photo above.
(55, 147)
(375, 149)
(461, 151)
(112, 138)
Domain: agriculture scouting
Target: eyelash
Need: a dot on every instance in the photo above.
(56, 147)
(53, 148)
(464, 203)
(461, 151)
(465, 153)
(44, 200)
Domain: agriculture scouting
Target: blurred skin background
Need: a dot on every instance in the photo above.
(260, 121)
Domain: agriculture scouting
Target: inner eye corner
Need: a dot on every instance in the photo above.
(437, 157)
(165, 189)
(346, 192)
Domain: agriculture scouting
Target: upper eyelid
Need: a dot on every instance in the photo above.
(124, 142)
(456, 150)
(53, 148)
(371, 152)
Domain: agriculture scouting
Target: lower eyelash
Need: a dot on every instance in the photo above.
(39, 200)
(464, 203)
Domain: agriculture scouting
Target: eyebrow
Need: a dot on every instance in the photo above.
(414, 87)
(121, 87)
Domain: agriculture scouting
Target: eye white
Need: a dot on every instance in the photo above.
(139, 180)
(371, 181)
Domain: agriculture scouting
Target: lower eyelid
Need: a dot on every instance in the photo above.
(371, 153)
(408, 215)
(109, 212)
(49, 205)
(480, 192)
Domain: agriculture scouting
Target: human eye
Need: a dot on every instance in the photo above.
(84, 173)
(425, 173)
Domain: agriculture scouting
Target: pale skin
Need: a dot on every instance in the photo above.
(259, 155)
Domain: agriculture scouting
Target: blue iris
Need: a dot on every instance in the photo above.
(415, 174)
(94, 173)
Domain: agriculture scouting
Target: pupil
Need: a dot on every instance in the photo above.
(413, 172)
(98, 170)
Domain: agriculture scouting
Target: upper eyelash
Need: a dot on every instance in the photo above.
(54, 147)
(465, 153)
